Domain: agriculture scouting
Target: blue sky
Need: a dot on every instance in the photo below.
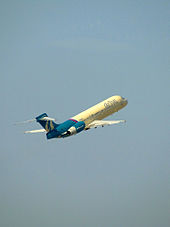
(62, 57)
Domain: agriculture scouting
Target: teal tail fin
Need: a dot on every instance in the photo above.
(46, 122)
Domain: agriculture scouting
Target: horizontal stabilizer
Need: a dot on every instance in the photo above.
(24, 122)
(36, 131)
(47, 119)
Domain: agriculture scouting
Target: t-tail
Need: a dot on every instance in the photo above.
(46, 122)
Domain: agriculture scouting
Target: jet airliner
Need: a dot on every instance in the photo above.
(90, 118)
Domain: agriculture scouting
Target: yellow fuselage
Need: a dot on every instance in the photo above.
(101, 110)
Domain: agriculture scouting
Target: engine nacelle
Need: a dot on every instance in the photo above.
(78, 127)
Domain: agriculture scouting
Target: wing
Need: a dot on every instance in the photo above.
(36, 131)
(98, 123)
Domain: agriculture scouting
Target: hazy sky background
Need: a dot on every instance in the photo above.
(62, 57)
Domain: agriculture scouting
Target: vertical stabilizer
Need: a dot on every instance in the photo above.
(47, 123)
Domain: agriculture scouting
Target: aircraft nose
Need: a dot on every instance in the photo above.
(125, 101)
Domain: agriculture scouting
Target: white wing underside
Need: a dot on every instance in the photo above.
(98, 123)
(35, 131)
(94, 124)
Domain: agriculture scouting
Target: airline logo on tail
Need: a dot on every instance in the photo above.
(46, 122)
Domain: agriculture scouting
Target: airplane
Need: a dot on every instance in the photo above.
(90, 118)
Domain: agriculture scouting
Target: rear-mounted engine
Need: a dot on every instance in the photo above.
(78, 127)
